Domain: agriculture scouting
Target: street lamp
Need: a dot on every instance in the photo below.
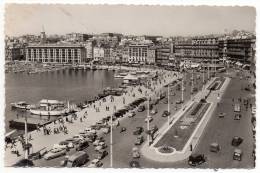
(111, 139)
(168, 105)
(148, 122)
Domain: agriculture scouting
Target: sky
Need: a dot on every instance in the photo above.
(23, 19)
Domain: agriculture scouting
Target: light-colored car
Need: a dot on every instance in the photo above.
(154, 111)
(149, 118)
(54, 153)
(131, 114)
(100, 146)
(96, 163)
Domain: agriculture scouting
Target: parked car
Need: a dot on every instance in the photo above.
(54, 153)
(96, 163)
(131, 114)
(154, 111)
(101, 154)
(148, 119)
(165, 114)
(76, 160)
(134, 164)
(138, 130)
(135, 153)
(82, 145)
(196, 159)
(214, 147)
(139, 140)
(236, 141)
(23, 163)
(153, 129)
(141, 108)
(179, 101)
(100, 146)
(237, 117)
(237, 154)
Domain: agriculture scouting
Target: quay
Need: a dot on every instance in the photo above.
(89, 116)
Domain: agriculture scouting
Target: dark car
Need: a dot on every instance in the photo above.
(139, 140)
(141, 108)
(24, 163)
(101, 154)
(237, 117)
(82, 145)
(236, 141)
(138, 130)
(134, 164)
(196, 159)
(165, 113)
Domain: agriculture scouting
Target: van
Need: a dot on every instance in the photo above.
(78, 159)
(237, 154)
(214, 147)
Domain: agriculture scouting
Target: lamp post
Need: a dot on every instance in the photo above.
(168, 105)
(111, 140)
(148, 122)
(26, 138)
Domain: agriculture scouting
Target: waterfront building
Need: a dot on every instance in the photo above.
(137, 53)
(98, 54)
(163, 54)
(56, 53)
(183, 49)
(151, 54)
(125, 55)
(109, 55)
(89, 50)
(13, 53)
(205, 48)
(78, 37)
(237, 49)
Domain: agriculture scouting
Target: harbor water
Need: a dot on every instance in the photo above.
(65, 85)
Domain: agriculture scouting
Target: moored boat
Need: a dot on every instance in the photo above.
(20, 105)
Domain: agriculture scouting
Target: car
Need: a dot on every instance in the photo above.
(237, 117)
(100, 146)
(134, 164)
(73, 140)
(214, 147)
(131, 114)
(179, 102)
(138, 130)
(153, 129)
(97, 141)
(23, 163)
(139, 140)
(148, 119)
(54, 153)
(123, 129)
(135, 153)
(96, 163)
(105, 130)
(67, 144)
(82, 145)
(196, 159)
(236, 141)
(154, 111)
(165, 114)
(221, 115)
(101, 154)
(237, 154)
(165, 101)
(141, 108)
(76, 160)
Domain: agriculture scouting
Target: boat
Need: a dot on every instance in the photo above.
(21, 105)
(50, 108)
(120, 75)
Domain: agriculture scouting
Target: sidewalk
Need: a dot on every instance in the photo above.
(39, 140)
(152, 153)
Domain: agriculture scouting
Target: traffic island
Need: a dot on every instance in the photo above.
(183, 135)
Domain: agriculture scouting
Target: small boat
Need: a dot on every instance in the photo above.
(20, 105)
(49, 108)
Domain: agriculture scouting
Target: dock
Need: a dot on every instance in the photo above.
(32, 123)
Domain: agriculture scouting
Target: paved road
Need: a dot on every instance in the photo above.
(217, 130)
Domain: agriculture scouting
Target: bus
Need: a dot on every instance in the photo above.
(237, 107)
